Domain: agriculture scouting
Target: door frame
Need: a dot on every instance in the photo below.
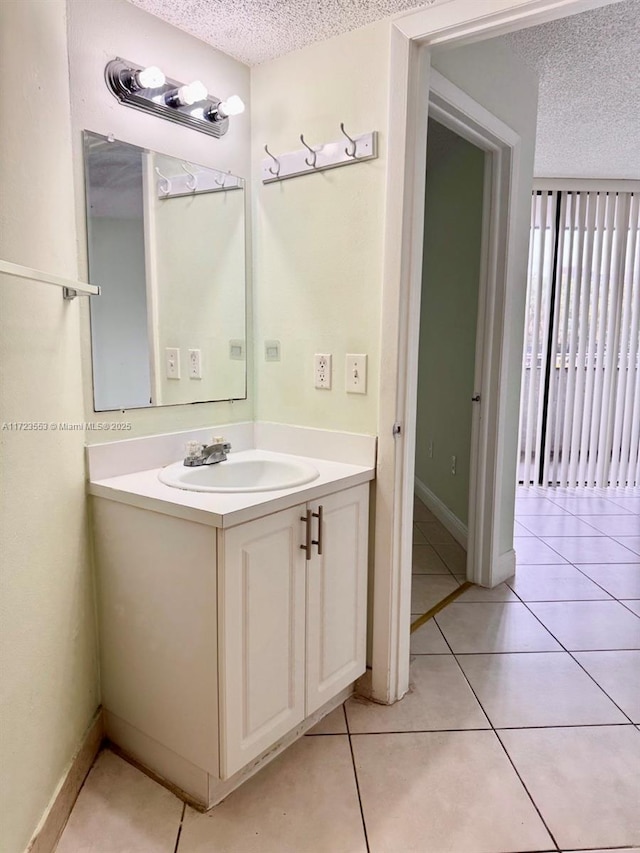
(450, 22)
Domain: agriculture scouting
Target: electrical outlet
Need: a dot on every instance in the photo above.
(430, 450)
(322, 371)
(195, 364)
(356, 373)
(453, 464)
(172, 362)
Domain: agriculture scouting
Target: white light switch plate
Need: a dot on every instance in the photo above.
(172, 362)
(356, 373)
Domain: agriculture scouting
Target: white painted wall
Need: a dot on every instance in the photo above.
(49, 683)
(318, 238)
(99, 31)
(490, 74)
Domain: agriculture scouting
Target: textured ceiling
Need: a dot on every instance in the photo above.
(256, 30)
(589, 111)
(589, 108)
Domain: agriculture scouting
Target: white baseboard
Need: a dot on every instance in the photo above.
(456, 528)
(49, 830)
(506, 567)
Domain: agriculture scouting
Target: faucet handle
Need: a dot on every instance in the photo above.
(217, 439)
(193, 449)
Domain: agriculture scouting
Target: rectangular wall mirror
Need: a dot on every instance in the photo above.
(166, 243)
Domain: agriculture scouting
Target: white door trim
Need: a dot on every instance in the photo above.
(451, 21)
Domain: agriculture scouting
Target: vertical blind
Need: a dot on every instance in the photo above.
(580, 399)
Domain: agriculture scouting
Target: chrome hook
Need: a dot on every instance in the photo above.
(165, 188)
(192, 180)
(224, 179)
(352, 152)
(275, 160)
(310, 149)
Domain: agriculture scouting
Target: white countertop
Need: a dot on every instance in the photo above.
(143, 489)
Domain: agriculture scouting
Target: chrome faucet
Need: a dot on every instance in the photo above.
(207, 454)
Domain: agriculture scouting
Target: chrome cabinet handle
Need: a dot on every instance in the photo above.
(308, 541)
(319, 516)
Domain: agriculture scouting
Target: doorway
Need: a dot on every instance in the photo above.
(414, 37)
(444, 452)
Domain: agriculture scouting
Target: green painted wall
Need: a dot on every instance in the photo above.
(448, 316)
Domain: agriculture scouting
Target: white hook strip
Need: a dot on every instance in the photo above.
(327, 156)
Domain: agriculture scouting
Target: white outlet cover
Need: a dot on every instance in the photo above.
(322, 371)
(195, 364)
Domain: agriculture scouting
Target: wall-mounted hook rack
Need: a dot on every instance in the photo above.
(197, 182)
(327, 156)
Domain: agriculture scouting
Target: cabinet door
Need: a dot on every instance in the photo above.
(337, 595)
(262, 635)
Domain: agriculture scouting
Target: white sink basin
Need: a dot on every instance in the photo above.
(246, 471)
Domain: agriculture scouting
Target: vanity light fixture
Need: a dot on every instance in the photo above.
(190, 104)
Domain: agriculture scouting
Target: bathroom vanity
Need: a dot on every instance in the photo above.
(229, 622)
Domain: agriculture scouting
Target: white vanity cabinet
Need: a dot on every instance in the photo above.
(217, 643)
(291, 619)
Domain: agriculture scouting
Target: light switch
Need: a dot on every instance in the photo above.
(356, 373)
(172, 362)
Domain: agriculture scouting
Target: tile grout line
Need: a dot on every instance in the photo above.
(524, 651)
(623, 602)
(355, 776)
(573, 658)
(567, 651)
(493, 729)
(440, 605)
(610, 594)
(486, 729)
(542, 539)
(184, 809)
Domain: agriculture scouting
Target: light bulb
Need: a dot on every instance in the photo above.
(150, 78)
(232, 106)
(192, 92)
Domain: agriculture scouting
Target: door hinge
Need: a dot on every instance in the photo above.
(397, 428)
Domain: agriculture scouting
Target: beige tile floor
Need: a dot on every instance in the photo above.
(517, 734)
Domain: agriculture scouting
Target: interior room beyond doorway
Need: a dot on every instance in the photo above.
(446, 367)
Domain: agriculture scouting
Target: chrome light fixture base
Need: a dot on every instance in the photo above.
(120, 77)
